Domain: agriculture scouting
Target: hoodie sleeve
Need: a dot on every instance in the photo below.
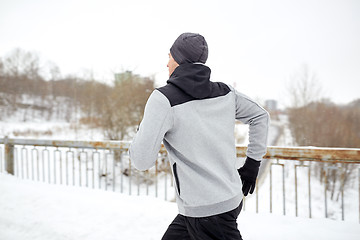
(156, 122)
(249, 112)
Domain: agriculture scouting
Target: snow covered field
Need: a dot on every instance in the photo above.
(34, 210)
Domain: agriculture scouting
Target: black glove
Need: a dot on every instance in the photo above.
(248, 174)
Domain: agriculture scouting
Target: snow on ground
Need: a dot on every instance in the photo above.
(34, 123)
(34, 210)
(59, 130)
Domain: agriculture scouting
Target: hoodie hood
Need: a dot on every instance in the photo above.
(193, 79)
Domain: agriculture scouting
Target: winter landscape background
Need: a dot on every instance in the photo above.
(83, 70)
(38, 210)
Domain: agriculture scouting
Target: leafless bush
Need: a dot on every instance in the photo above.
(124, 105)
(321, 123)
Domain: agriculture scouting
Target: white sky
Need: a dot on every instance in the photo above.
(258, 44)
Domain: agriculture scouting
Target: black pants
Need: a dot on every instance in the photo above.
(218, 227)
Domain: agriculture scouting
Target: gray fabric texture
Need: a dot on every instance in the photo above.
(199, 137)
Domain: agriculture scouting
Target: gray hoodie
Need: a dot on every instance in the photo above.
(195, 119)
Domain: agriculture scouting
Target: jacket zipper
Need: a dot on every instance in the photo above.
(176, 178)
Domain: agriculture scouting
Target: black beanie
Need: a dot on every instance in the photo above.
(189, 48)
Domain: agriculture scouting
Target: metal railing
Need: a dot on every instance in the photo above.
(106, 164)
(93, 164)
(317, 163)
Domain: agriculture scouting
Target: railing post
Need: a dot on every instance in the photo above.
(9, 156)
(325, 190)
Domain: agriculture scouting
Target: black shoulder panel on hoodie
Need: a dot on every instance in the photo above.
(191, 82)
(177, 96)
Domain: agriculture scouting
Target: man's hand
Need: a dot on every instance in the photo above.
(248, 174)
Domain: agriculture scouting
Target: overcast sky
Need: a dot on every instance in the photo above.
(257, 45)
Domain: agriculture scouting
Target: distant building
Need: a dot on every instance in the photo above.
(120, 77)
(271, 105)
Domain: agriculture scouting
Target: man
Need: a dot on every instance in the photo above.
(195, 119)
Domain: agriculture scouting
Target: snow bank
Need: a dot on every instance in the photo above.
(34, 210)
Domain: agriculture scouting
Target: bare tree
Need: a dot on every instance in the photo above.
(22, 63)
(124, 106)
(1, 67)
(2, 75)
(22, 76)
(54, 74)
(117, 109)
(303, 87)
